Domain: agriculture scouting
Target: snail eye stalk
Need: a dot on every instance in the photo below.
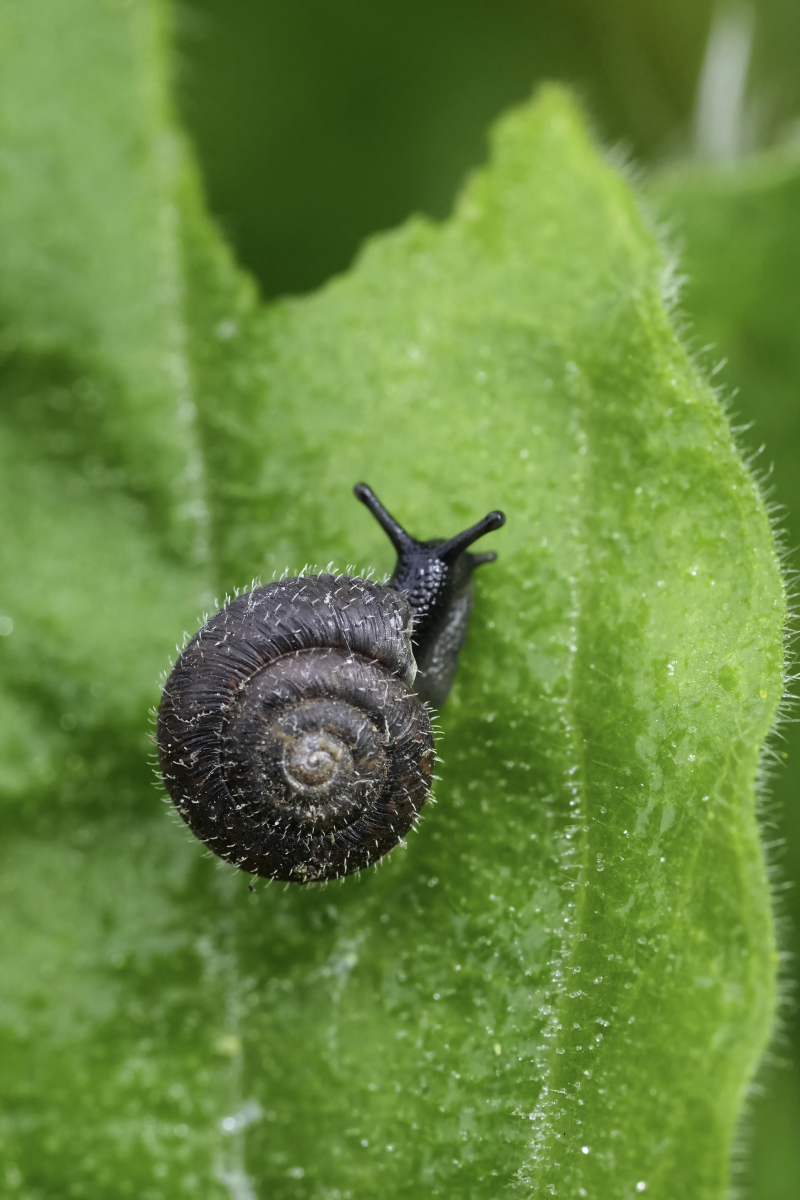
(446, 551)
(401, 540)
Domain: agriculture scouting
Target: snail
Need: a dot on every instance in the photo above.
(294, 734)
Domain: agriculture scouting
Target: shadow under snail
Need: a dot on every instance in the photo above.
(294, 736)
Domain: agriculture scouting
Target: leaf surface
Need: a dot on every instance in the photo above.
(740, 236)
(565, 980)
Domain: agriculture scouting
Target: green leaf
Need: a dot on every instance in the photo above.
(740, 235)
(565, 981)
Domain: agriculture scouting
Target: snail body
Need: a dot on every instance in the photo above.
(293, 733)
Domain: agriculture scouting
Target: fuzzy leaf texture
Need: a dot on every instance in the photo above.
(564, 982)
(740, 236)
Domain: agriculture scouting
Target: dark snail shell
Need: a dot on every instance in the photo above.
(293, 736)
(289, 736)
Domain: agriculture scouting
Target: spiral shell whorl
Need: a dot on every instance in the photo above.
(289, 737)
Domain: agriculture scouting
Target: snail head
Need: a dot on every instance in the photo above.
(431, 574)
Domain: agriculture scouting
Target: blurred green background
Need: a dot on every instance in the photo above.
(320, 123)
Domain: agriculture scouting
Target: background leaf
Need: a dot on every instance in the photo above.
(317, 126)
(589, 896)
